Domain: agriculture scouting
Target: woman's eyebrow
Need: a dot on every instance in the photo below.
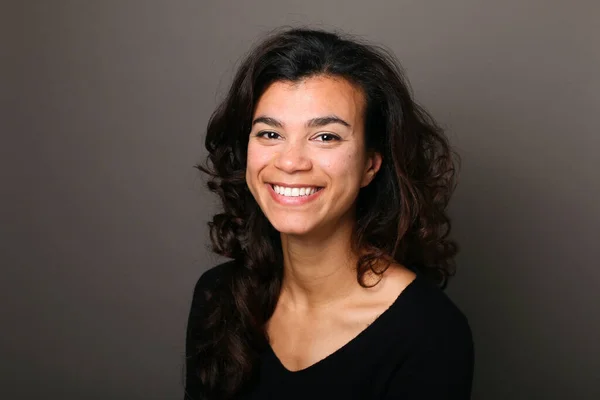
(330, 119)
(268, 121)
(312, 123)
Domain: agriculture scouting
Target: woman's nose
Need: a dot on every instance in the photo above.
(293, 158)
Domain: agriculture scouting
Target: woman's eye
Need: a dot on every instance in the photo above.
(327, 137)
(268, 135)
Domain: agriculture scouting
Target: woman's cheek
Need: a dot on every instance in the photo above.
(258, 156)
(338, 164)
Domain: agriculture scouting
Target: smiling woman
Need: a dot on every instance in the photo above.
(309, 135)
(334, 185)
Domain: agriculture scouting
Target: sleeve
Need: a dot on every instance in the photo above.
(193, 385)
(440, 366)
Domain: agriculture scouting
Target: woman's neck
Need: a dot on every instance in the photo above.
(318, 271)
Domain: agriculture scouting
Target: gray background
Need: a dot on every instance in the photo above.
(102, 221)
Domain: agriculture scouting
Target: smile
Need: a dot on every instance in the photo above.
(294, 196)
(295, 191)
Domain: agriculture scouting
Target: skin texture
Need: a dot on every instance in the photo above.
(321, 306)
(297, 154)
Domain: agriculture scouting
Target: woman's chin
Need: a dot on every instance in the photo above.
(293, 229)
(294, 232)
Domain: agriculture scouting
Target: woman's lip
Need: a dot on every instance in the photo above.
(294, 185)
(292, 200)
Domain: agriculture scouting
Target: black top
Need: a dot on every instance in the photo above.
(420, 348)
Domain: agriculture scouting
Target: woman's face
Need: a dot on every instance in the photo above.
(306, 154)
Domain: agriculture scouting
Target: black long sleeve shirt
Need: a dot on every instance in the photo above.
(420, 348)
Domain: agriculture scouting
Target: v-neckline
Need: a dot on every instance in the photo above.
(352, 342)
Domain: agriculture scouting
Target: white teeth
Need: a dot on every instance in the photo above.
(294, 192)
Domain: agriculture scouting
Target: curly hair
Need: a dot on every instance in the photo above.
(401, 215)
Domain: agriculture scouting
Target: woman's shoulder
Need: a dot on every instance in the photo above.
(207, 286)
(210, 282)
(433, 347)
(214, 276)
(430, 309)
(422, 298)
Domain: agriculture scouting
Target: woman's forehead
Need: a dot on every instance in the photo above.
(296, 102)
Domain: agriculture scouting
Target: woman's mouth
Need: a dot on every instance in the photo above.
(295, 191)
(294, 195)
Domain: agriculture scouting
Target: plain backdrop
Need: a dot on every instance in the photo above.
(103, 217)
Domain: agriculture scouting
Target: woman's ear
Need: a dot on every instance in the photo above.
(374, 160)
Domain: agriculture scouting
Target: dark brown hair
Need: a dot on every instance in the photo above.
(401, 215)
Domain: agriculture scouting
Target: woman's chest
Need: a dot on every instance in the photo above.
(299, 343)
(351, 374)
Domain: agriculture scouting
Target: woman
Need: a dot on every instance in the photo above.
(334, 186)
